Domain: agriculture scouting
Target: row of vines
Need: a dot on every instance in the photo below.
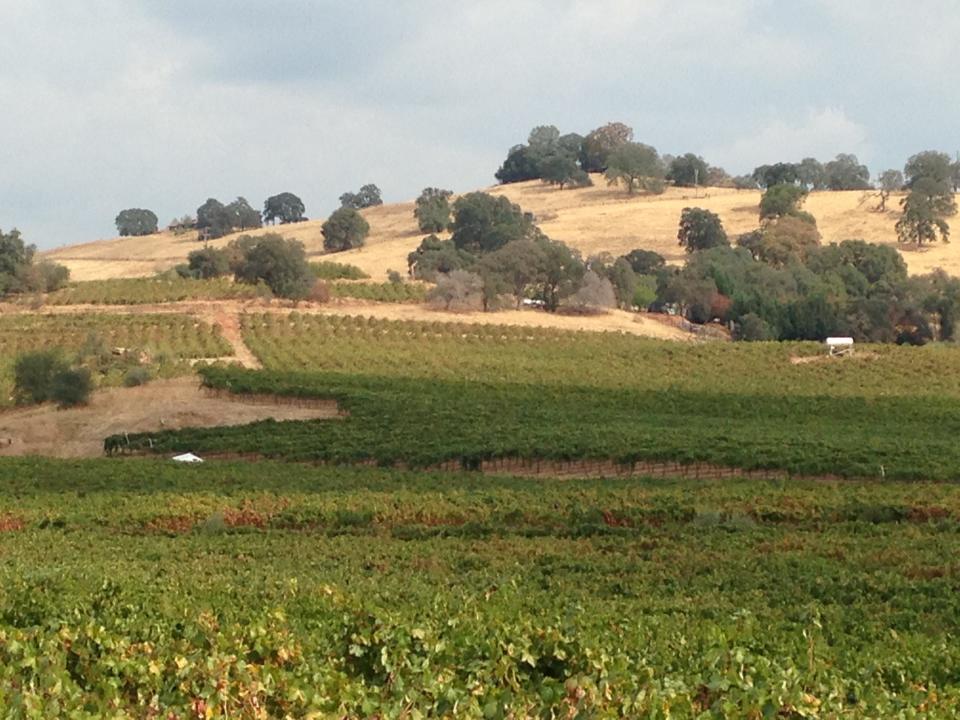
(134, 589)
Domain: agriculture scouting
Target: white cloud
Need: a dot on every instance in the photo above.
(819, 133)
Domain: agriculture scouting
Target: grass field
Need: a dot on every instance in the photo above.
(275, 591)
(593, 219)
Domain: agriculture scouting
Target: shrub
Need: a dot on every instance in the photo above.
(320, 292)
(136, 376)
(752, 327)
(207, 263)
(457, 291)
(71, 387)
(394, 277)
(33, 375)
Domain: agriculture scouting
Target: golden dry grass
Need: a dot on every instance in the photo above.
(594, 219)
(163, 404)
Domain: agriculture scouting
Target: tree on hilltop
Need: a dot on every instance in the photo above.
(135, 222)
(598, 144)
(688, 170)
(637, 166)
(285, 207)
(366, 196)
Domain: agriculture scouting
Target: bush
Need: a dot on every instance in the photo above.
(136, 376)
(320, 292)
(752, 327)
(646, 291)
(457, 291)
(394, 277)
(33, 375)
(71, 387)
(207, 263)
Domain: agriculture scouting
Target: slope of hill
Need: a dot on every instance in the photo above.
(592, 219)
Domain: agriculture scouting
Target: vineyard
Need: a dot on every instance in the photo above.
(329, 270)
(380, 292)
(527, 355)
(165, 342)
(147, 291)
(239, 591)
(425, 423)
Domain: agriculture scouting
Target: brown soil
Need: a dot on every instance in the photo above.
(163, 404)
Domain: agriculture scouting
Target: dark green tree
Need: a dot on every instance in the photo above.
(208, 263)
(33, 374)
(71, 387)
(925, 211)
(433, 210)
(136, 222)
(645, 262)
(767, 176)
(435, 257)
(700, 229)
(636, 166)
(242, 216)
(561, 169)
(563, 270)
(213, 219)
(811, 174)
(930, 164)
(285, 208)
(517, 268)
(345, 229)
(688, 171)
(483, 223)
(19, 271)
(367, 196)
(780, 200)
(519, 166)
(846, 173)
(278, 262)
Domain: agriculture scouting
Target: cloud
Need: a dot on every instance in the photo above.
(821, 133)
(116, 103)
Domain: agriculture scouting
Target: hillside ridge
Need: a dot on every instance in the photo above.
(593, 220)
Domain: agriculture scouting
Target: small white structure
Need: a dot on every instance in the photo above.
(187, 458)
(840, 345)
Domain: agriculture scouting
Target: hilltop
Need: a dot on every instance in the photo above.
(593, 219)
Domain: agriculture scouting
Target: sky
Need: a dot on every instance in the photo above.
(109, 104)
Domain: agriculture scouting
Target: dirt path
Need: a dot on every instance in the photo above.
(160, 405)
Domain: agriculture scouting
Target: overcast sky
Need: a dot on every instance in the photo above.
(107, 104)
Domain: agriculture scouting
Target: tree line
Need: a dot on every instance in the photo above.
(566, 160)
(779, 282)
(214, 219)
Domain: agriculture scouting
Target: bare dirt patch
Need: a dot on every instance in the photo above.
(161, 405)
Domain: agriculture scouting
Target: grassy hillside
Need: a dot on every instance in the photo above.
(592, 219)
